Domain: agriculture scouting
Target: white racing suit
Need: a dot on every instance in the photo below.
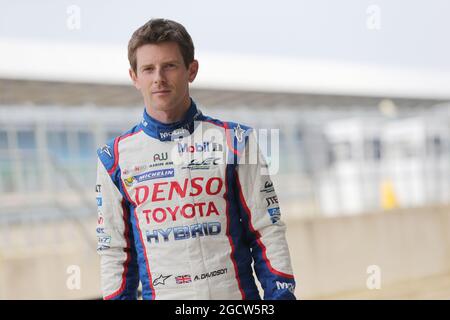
(183, 210)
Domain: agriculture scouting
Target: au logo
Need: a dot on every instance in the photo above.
(160, 157)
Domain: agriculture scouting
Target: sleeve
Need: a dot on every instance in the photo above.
(260, 214)
(118, 261)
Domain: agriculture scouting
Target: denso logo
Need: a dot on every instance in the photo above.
(161, 191)
(199, 147)
(165, 191)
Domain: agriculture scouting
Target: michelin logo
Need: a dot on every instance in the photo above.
(150, 175)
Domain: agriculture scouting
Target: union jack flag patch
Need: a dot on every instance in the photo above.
(183, 279)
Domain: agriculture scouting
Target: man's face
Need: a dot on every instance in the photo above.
(162, 76)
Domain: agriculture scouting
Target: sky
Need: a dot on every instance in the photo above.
(404, 34)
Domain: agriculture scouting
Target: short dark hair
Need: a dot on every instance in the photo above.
(158, 31)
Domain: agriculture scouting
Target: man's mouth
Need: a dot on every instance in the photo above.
(161, 92)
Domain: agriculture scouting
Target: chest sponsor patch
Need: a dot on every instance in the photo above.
(150, 175)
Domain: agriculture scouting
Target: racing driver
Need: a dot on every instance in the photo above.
(185, 202)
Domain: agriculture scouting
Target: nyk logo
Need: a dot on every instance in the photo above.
(285, 285)
(199, 147)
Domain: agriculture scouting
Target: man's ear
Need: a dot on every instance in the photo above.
(134, 79)
(193, 69)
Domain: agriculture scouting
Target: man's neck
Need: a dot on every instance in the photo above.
(169, 116)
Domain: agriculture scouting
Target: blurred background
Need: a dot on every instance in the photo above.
(360, 91)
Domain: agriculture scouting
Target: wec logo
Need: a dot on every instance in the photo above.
(202, 164)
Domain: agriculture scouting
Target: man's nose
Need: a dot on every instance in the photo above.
(159, 75)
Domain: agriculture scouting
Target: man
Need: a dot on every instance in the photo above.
(181, 208)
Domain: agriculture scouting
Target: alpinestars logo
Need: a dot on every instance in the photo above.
(161, 280)
(106, 150)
